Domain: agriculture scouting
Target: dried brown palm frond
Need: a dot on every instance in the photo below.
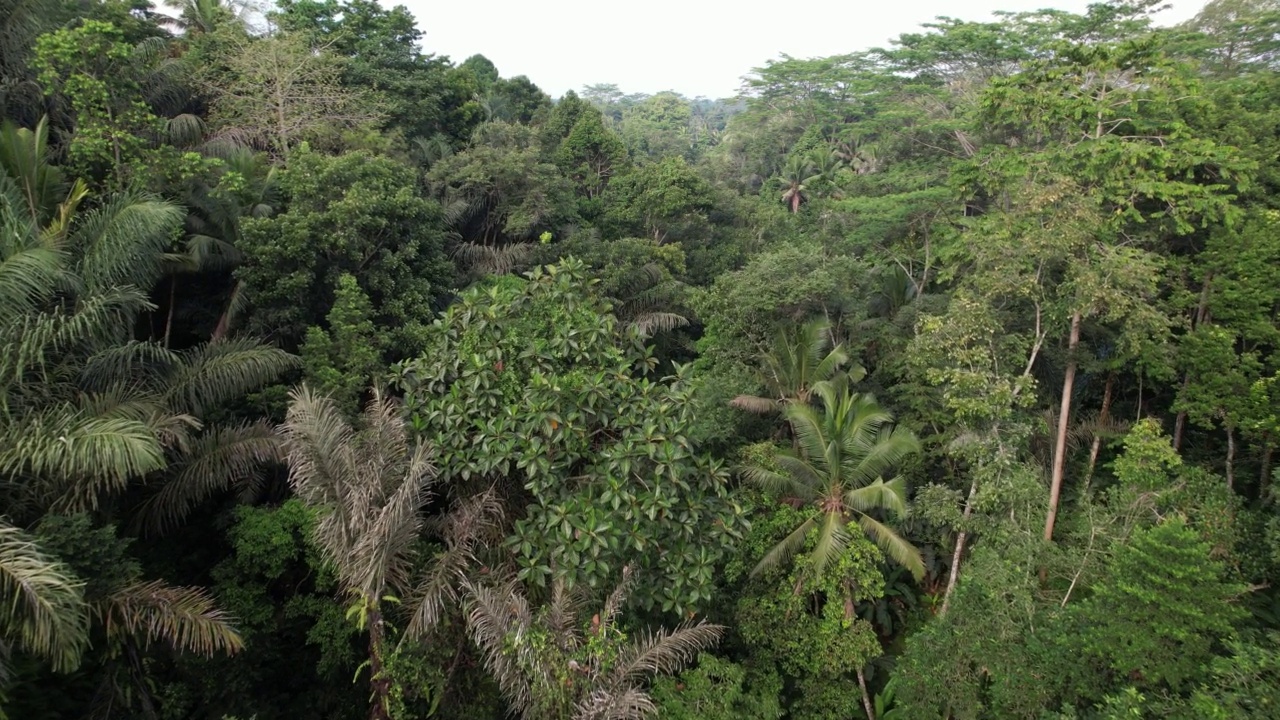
(475, 522)
(369, 484)
(494, 260)
(529, 652)
(182, 617)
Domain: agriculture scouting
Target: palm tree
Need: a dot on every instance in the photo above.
(214, 220)
(648, 300)
(800, 358)
(84, 408)
(845, 450)
(138, 614)
(825, 162)
(797, 174)
(553, 663)
(204, 16)
(369, 484)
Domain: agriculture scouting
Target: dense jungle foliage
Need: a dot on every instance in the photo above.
(341, 380)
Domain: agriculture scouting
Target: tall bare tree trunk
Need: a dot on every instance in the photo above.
(1180, 424)
(1097, 434)
(866, 698)
(224, 320)
(1264, 478)
(1231, 457)
(168, 321)
(1201, 316)
(961, 536)
(379, 683)
(1064, 417)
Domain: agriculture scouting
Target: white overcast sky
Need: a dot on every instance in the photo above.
(694, 47)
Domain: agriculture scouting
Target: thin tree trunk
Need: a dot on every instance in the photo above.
(866, 698)
(1201, 316)
(1064, 416)
(862, 681)
(1264, 479)
(1097, 434)
(379, 684)
(961, 536)
(168, 321)
(224, 320)
(1180, 424)
(1231, 457)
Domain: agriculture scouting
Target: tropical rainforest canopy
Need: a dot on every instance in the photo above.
(341, 380)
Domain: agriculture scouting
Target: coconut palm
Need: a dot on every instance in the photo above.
(826, 164)
(801, 357)
(797, 174)
(555, 663)
(204, 16)
(845, 449)
(369, 484)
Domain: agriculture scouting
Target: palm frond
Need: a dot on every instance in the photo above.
(494, 615)
(650, 323)
(893, 545)
(42, 608)
(381, 557)
(786, 548)
(628, 704)
(810, 434)
(27, 277)
(879, 495)
(24, 159)
(223, 370)
(494, 260)
(35, 340)
(213, 253)
(184, 618)
(185, 130)
(663, 652)
(613, 604)
(79, 458)
(142, 363)
(882, 453)
(756, 405)
(832, 540)
(463, 530)
(805, 479)
(828, 365)
(121, 242)
(436, 592)
(770, 480)
(631, 704)
(370, 486)
(318, 443)
(222, 458)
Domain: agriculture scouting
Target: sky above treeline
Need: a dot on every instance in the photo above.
(695, 47)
